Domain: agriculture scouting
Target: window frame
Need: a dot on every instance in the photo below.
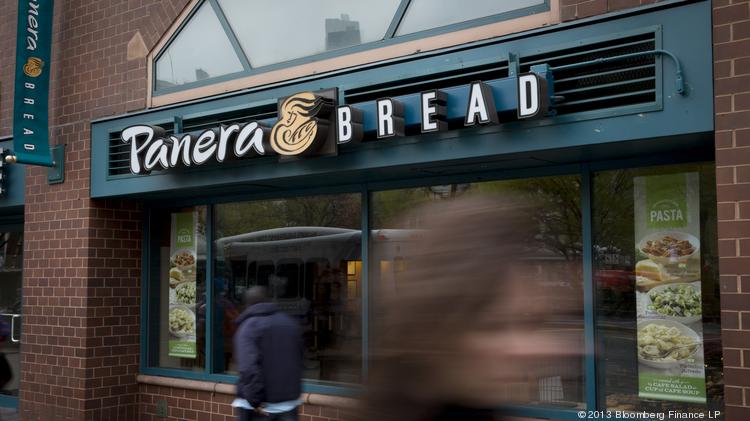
(592, 364)
(391, 46)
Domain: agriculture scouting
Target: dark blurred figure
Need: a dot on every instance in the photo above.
(464, 324)
(268, 348)
(6, 374)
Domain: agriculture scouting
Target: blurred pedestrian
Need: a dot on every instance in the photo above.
(6, 374)
(464, 324)
(268, 348)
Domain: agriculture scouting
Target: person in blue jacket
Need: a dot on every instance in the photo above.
(268, 347)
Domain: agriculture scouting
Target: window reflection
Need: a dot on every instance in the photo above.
(619, 275)
(552, 273)
(307, 252)
(200, 51)
(269, 33)
(427, 14)
(177, 347)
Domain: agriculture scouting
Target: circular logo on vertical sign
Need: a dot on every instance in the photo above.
(297, 129)
(33, 67)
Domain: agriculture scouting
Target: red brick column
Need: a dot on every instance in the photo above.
(80, 338)
(731, 20)
(577, 9)
(81, 287)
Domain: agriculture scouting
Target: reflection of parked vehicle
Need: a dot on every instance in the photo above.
(314, 273)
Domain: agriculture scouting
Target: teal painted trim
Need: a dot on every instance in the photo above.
(365, 287)
(230, 34)
(350, 50)
(211, 341)
(56, 173)
(8, 401)
(589, 291)
(178, 124)
(329, 389)
(685, 32)
(397, 17)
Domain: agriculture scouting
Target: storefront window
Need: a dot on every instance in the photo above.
(177, 285)
(200, 51)
(427, 14)
(552, 273)
(307, 252)
(657, 289)
(303, 28)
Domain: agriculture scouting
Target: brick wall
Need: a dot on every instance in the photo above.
(81, 289)
(731, 20)
(577, 9)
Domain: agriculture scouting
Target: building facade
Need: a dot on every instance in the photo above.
(627, 92)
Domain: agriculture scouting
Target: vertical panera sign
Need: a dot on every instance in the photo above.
(30, 111)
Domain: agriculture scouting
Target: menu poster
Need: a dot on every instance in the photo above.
(668, 288)
(182, 276)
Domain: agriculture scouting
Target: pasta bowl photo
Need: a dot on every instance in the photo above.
(183, 259)
(181, 321)
(680, 302)
(664, 344)
(669, 247)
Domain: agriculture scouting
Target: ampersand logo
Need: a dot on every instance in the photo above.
(302, 125)
(33, 67)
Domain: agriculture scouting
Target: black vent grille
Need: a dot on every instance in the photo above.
(605, 85)
(435, 81)
(246, 115)
(119, 152)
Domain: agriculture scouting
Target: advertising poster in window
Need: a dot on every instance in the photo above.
(182, 278)
(668, 288)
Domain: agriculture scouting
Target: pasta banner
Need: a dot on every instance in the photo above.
(668, 288)
(182, 278)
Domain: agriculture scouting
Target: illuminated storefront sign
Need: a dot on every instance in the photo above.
(304, 126)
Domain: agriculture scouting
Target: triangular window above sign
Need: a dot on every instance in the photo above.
(200, 51)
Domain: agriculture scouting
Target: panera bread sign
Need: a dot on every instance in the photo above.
(310, 124)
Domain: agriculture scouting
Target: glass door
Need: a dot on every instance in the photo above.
(11, 261)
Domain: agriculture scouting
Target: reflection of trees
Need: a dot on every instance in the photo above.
(613, 212)
(555, 220)
(341, 211)
(555, 216)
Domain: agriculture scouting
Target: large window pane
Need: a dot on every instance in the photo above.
(307, 252)
(177, 285)
(270, 33)
(667, 283)
(552, 274)
(427, 14)
(200, 51)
